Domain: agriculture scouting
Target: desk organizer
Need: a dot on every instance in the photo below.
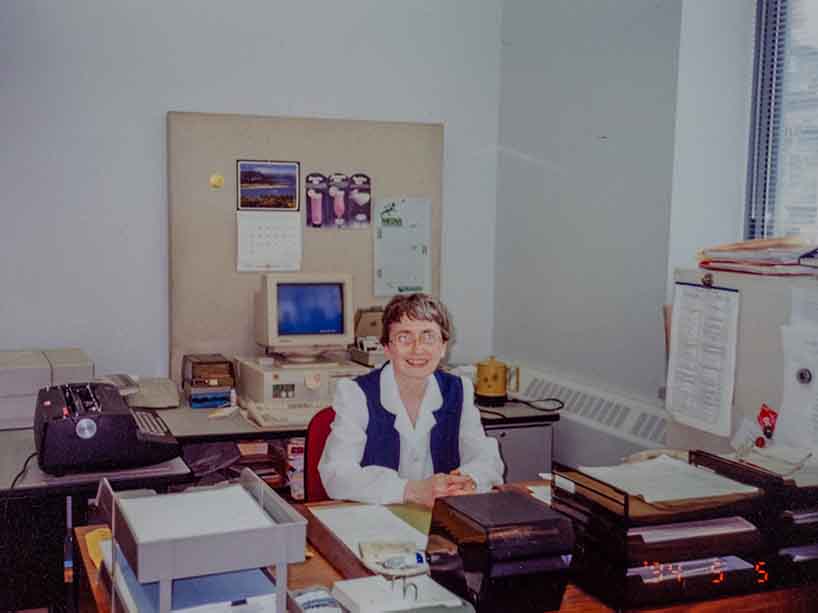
(203, 531)
(632, 553)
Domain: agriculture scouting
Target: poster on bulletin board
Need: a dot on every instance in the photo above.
(402, 254)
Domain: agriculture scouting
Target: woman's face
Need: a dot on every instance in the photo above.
(415, 348)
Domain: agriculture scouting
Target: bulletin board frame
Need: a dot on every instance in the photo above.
(211, 303)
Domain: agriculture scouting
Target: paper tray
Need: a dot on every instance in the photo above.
(588, 495)
(783, 491)
(205, 530)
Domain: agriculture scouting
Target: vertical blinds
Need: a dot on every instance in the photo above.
(782, 189)
(762, 176)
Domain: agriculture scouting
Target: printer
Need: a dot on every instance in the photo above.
(502, 551)
(81, 427)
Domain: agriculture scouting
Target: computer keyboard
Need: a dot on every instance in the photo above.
(282, 413)
(149, 423)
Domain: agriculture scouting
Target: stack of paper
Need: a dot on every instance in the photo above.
(666, 479)
(774, 256)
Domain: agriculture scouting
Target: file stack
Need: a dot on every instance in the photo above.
(786, 256)
(208, 380)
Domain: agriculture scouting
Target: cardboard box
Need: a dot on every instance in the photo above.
(23, 373)
(369, 323)
(69, 366)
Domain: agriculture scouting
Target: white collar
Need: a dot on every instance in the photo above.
(390, 396)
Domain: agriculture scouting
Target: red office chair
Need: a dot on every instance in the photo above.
(317, 432)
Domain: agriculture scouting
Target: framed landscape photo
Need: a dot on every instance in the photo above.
(268, 185)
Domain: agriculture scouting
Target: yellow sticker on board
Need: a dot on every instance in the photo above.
(216, 181)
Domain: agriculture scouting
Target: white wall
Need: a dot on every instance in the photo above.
(84, 90)
(712, 128)
(588, 91)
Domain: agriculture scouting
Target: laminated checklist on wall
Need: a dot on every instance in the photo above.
(702, 364)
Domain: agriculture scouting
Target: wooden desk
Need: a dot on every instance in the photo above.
(94, 596)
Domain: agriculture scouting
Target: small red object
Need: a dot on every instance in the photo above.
(761, 441)
(766, 419)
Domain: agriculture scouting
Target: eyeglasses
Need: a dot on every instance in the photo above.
(427, 338)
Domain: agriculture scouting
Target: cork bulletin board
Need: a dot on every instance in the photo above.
(211, 304)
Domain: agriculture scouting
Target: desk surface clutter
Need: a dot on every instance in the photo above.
(317, 571)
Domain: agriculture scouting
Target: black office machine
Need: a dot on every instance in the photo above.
(81, 427)
(502, 551)
(632, 553)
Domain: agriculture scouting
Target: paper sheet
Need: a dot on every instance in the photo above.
(804, 306)
(797, 424)
(541, 492)
(364, 522)
(702, 366)
(692, 529)
(792, 463)
(193, 513)
(665, 479)
(268, 240)
(402, 250)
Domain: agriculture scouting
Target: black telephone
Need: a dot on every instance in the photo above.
(81, 427)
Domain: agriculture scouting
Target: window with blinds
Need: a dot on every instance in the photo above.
(782, 186)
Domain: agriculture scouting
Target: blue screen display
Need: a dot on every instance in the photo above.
(310, 308)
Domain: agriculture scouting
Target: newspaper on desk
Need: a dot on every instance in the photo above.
(666, 479)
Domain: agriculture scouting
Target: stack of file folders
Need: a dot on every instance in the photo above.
(649, 547)
(208, 380)
(785, 257)
(791, 529)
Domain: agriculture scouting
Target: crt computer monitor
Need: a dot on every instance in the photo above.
(301, 313)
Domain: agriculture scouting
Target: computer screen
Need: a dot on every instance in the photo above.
(310, 308)
(299, 311)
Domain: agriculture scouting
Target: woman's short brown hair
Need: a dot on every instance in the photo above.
(417, 307)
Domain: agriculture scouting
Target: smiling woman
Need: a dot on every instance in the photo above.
(409, 432)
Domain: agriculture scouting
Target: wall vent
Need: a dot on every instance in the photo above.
(597, 427)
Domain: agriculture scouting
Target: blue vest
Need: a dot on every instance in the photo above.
(383, 441)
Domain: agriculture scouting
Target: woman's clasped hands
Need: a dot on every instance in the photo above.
(425, 491)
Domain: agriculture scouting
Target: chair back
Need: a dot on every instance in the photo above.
(317, 432)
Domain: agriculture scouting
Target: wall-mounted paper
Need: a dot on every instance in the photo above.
(268, 240)
(797, 424)
(402, 259)
(702, 365)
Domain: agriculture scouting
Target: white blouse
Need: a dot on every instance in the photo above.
(340, 466)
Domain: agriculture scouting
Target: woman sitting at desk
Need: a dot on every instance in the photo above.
(408, 432)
